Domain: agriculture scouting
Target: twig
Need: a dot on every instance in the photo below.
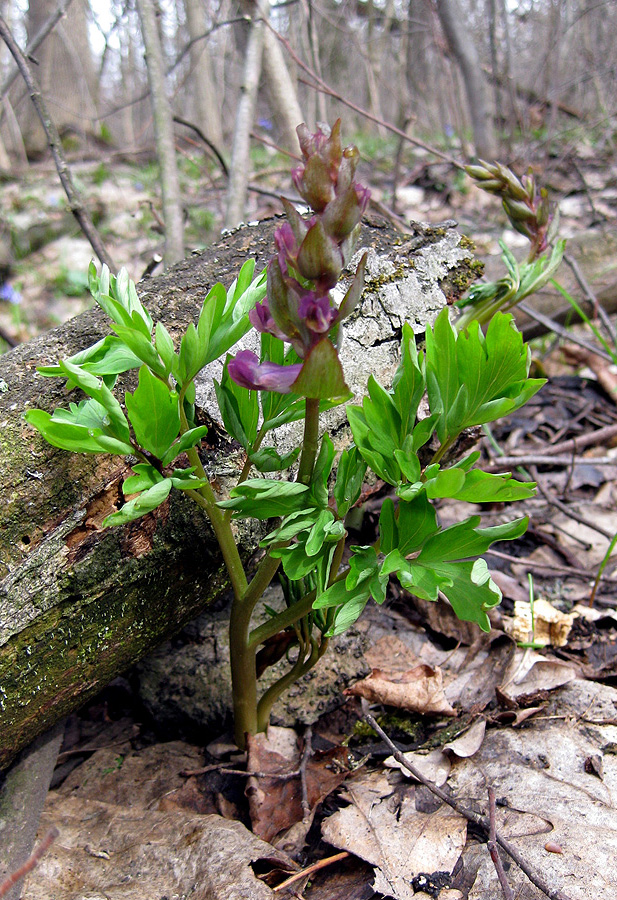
(598, 309)
(328, 861)
(307, 752)
(592, 439)
(206, 141)
(320, 85)
(30, 863)
(553, 501)
(545, 568)
(478, 820)
(53, 139)
(492, 848)
(552, 325)
(544, 459)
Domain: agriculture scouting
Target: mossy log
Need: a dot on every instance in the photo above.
(79, 604)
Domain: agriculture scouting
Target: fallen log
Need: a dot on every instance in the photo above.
(79, 604)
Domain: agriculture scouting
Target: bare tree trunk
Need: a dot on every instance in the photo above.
(464, 51)
(245, 114)
(282, 91)
(65, 72)
(164, 133)
(202, 82)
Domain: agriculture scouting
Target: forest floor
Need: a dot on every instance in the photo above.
(520, 724)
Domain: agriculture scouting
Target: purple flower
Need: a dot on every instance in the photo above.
(317, 312)
(246, 370)
(261, 319)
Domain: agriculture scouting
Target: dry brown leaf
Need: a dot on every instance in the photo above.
(550, 625)
(468, 743)
(529, 672)
(434, 765)
(387, 831)
(419, 690)
(275, 803)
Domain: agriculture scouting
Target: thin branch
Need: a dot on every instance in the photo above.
(320, 85)
(480, 821)
(30, 863)
(552, 325)
(53, 139)
(573, 445)
(310, 870)
(492, 848)
(591, 296)
(206, 141)
(546, 459)
(554, 501)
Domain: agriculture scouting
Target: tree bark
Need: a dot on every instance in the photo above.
(79, 604)
(164, 133)
(464, 51)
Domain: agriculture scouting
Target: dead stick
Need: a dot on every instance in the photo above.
(492, 848)
(53, 139)
(478, 820)
(554, 501)
(592, 439)
(30, 863)
(545, 459)
(311, 869)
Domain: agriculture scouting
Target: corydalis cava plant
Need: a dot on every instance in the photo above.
(469, 378)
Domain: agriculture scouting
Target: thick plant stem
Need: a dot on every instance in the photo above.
(243, 672)
(309, 445)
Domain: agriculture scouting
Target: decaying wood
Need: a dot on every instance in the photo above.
(78, 604)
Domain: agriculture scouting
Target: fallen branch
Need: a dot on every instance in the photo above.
(480, 821)
(53, 140)
(492, 848)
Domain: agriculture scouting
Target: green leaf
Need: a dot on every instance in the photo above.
(269, 460)
(154, 413)
(465, 539)
(264, 498)
(140, 505)
(141, 346)
(417, 521)
(321, 376)
(482, 487)
(145, 477)
(239, 410)
(388, 528)
(65, 436)
(109, 356)
(117, 425)
(164, 346)
(471, 590)
(349, 480)
(186, 480)
(187, 440)
(321, 472)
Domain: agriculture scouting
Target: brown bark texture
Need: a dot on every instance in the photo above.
(80, 604)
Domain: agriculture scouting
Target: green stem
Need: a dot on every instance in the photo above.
(309, 444)
(301, 667)
(439, 454)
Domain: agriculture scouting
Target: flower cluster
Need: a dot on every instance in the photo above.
(526, 205)
(311, 255)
